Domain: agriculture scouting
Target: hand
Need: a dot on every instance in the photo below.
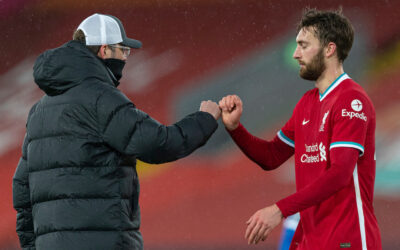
(211, 107)
(232, 109)
(261, 223)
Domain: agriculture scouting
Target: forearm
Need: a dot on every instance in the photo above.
(187, 135)
(343, 161)
(134, 133)
(267, 154)
(180, 139)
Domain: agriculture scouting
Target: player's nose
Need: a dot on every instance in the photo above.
(296, 53)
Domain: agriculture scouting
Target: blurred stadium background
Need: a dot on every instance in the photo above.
(197, 50)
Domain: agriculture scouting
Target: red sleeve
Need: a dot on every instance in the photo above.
(352, 113)
(267, 154)
(343, 162)
(286, 134)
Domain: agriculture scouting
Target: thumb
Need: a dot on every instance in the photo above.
(249, 220)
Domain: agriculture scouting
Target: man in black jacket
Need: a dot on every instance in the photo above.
(76, 185)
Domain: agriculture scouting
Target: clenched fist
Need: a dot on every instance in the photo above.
(232, 109)
(211, 107)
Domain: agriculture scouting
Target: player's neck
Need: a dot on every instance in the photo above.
(328, 76)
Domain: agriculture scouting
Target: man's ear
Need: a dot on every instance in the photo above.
(330, 49)
(102, 52)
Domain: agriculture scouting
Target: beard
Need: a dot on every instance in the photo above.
(313, 70)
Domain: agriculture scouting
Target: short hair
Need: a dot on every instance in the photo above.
(80, 37)
(329, 26)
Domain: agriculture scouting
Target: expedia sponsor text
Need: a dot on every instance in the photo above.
(353, 114)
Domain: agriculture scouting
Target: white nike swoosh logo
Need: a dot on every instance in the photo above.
(305, 122)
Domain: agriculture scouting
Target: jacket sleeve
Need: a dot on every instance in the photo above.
(133, 132)
(22, 203)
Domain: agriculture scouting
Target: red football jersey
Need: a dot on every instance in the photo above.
(343, 116)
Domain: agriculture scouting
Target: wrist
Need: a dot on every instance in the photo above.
(282, 208)
(231, 127)
(277, 210)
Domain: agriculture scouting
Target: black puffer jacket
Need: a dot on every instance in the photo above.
(76, 185)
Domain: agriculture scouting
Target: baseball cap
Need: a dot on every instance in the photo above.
(102, 29)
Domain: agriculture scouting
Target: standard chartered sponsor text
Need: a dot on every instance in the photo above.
(305, 158)
(312, 148)
(321, 156)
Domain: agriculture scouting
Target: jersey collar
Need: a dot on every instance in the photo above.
(333, 85)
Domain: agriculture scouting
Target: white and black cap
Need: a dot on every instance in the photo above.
(102, 29)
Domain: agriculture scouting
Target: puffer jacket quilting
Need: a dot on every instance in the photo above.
(76, 185)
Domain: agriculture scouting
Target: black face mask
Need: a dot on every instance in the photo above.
(116, 66)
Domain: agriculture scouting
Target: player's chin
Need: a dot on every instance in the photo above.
(303, 69)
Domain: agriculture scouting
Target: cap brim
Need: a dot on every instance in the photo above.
(132, 43)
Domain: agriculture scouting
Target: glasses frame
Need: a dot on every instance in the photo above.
(125, 50)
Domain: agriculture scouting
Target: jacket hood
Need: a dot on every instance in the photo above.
(57, 70)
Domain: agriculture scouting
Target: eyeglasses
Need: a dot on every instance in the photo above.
(125, 50)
